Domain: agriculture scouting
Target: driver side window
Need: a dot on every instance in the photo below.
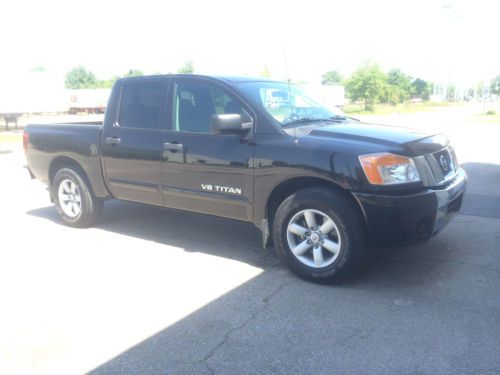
(196, 102)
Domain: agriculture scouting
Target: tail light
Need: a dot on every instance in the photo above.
(26, 139)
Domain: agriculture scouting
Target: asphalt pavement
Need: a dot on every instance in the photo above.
(150, 291)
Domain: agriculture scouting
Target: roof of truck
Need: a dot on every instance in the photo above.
(230, 79)
(242, 78)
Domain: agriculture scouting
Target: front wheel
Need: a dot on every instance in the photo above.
(75, 202)
(319, 234)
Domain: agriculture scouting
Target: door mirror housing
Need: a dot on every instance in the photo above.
(229, 123)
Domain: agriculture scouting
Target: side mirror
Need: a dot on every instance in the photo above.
(229, 123)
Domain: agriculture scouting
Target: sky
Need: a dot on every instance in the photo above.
(439, 40)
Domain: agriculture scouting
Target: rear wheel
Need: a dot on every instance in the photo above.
(74, 200)
(319, 235)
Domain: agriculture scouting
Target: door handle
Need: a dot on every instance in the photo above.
(112, 140)
(174, 147)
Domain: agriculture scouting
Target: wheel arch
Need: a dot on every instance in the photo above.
(61, 162)
(292, 185)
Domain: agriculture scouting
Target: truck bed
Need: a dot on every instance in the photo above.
(50, 143)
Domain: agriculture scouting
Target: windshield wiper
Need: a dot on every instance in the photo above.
(343, 117)
(307, 120)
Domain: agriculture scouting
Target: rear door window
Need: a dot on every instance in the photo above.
(141, 105)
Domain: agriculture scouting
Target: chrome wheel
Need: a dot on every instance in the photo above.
(70, 199)
(313, 238)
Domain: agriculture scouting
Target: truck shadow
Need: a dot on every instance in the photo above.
(191, 232)
(236, 240)
(482, 197)
(242, 241)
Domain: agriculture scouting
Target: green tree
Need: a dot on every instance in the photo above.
(481, 89)
(265, 72)
(186, 68)
(391, 94)
(80, 78)
(399, 87)
(495, 85)
(367, 83)
(134, 73)
(450, 94)
(470, 92)
(422, 88)
(333, 77)
(108, 83)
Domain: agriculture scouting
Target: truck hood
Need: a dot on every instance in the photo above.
(413, 141)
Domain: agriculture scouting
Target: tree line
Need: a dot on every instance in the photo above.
(370, 84)
(81, 78)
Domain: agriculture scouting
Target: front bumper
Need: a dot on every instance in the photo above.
(412, 219)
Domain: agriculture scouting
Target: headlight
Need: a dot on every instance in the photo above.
(388, 169)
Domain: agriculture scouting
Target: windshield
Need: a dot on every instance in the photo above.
(289, 104)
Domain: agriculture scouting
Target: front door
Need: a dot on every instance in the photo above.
(203, 171)
(132, 146)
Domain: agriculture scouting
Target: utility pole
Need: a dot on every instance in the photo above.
(452, 16)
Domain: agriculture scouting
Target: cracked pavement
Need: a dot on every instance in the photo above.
(265, 301)
(145, 293)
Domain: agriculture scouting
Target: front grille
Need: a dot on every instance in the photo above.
(437, 168)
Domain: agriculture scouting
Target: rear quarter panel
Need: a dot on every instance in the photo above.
(79, 142)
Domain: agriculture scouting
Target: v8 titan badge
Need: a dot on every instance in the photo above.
(221, 189)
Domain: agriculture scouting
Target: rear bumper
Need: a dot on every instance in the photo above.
(412, 219)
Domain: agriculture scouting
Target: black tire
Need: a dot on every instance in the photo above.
(91, 207)
(348, 219)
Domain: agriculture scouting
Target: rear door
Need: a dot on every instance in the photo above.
(132, 145)
(202, 171)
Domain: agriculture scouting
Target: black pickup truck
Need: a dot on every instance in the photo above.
(319, 184)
